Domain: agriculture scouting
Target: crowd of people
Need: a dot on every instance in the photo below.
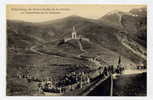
(28, 77)
(70, 81)
(73, 77)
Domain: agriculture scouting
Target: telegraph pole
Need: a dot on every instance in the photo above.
(111, 87)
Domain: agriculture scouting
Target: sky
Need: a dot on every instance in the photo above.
(40, 13)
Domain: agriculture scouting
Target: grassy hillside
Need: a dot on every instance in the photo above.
(39, 48)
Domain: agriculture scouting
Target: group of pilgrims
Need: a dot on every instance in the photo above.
(70, 81)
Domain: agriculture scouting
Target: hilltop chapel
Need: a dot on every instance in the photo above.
(74, 33)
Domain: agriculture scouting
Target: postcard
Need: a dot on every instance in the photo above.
(76, 50)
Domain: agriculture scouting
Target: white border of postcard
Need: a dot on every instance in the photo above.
(3, 3)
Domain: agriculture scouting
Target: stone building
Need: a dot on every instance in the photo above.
(74, 33)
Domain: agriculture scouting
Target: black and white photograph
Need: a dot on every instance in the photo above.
(76, 50)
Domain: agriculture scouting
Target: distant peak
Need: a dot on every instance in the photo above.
(74, 16)
(116, 12)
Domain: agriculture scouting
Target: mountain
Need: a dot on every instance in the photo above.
(42, 50)
(113, 19)
(132, 26)
(133, 23)
(99, 33)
